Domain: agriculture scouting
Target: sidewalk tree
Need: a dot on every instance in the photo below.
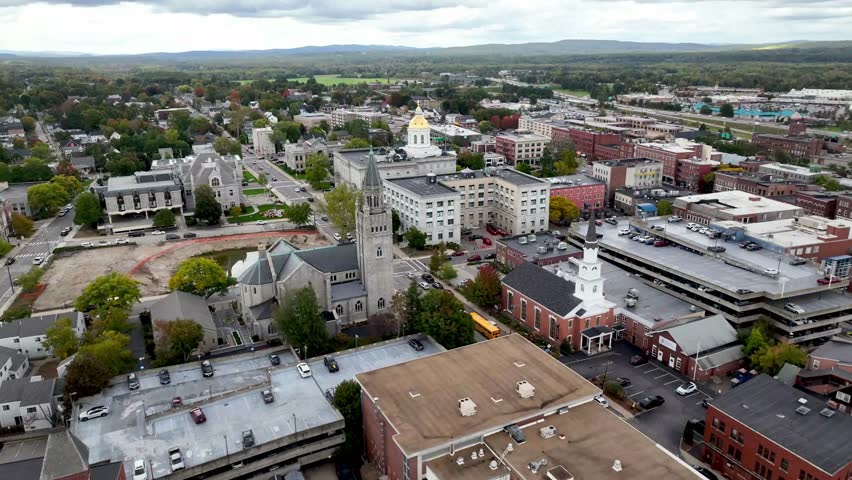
(164, 218)
(86, 376)
(87, 210)
(563, 210)
(415, 238)
(299, 321)
(340, 207)
(300, 214)
(347, 400)
(443, 317)
(199, 276)
(112, 350)
(62, 339)
(22, 225)
(206, 206)
(5, 247)
(485, 289)
(72, 185)
(46, 199)
(29, 281)
(177, 340)
(108, 293)
(316, 169)
(447, 271)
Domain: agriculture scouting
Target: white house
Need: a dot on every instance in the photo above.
(29, 402)
(27, 335)
(13, 364)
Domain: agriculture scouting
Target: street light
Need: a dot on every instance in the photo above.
(11, 282)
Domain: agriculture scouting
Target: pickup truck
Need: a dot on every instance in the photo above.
(176, 459)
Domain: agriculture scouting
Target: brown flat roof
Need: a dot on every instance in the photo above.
(420, 398)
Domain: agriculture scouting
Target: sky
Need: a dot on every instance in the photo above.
(118, 27)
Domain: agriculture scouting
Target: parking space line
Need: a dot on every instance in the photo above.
(691, 394)
(661, 376)
(650, 370)
(637, 393)
(673, 381)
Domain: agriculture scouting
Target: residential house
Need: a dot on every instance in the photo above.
(186, 306)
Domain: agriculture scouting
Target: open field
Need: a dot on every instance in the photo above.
(336, 79)
(576, 93)
(65, 280)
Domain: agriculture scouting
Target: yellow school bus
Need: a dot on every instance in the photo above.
(486, 328)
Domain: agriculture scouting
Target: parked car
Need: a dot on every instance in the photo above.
(491, 256)
(658, 228)
(651, 402)
(330, 363)
(304, 370)
(624, 231)
(415, 344)
(274, 360)
(10, 260)
(753, 247)
(248, 439)
(175, 459)
(206, 368)
(158, 232)
(165, 377)
(427, 277)
(772, 272)
(601, 401)
(65, 231)
(674, 219)
(459, 253)
(425, 285)
(189, 235)
(638, 359)
(798, 261)
(795, 308)
(337, 236)
(197, 415)
(623, 381)
(611, 221)
(598, 223)
(744, 291)
(437, 286)
(661, 243)
(94, 412)
(132, 381)
(136, 234)
(38, 260)
(705, 472)
(686, 389)
(177, 402)
(267, 395)
(716, 249)
(121, 241)
(140, 470)
(827, 280)
(744, 244)
(474, 258)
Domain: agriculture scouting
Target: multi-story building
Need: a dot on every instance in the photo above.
(425, 204)
(224, 174)
(765, 185)
(684, 163)
(521, 147)
(844, 207)
(487, 144)
(691, 173)
(296, 154)
(542, 248)
(340, 117)
(513, 201)
(733, 205)
(809, 237)
(795, 143)
(312, 119)
(632, 201)
(15, 197)
(584, 191)
(822, 204)
(792, 172)
(636, 173)
(585, 141)
(28, 403)
(530, 417)
(28, 335)
(140, 195)
(261, 138)
(766, 429)
(454, 134)
(13, 364)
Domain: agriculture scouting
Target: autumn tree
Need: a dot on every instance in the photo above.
(199, 276)
(177, 339)
(22, 225)
(86, 375)
(567, 163)
(562, 210)
(484, 290)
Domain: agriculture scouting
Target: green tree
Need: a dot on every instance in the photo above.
(5, 247)
(112, 320)
(358, 128)
(562, 210)
(395, 221)
(726, 110)
(471, 160)
(199, 276)
(29, 281)
(567, 163)
(347, 401)
(484, 290)
(298, 320)
(86, 376)
(706, 110)
(62, 339)
(42, 151)
(164, 218)
(340, 207)
(756, 340)
(406, 304)
(443, 317)
(225, 146)
(28, 123)
(523, 167)
(87, 209)
(614, 389)
(356, 143)
(177, 340)
(22, 225)
(206, 206)
(485, 126)
(437, 260)
(546, 163)
(46, 199)
(69, 183)
(415, 238)
(112, 350)
(447, 272)
(108, 293)
(299, 214)
(664, 208)
(772, 358)
(316, 169)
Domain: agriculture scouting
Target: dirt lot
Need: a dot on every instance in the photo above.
(69, 273)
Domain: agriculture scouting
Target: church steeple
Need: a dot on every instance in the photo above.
(589, 279)
(591, 233)
(372, 187)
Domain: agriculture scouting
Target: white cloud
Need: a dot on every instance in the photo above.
(110, 26)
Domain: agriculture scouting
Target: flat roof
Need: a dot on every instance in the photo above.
(508, 174)
(454, 131)
(769, 407)
(735, 202)
(524, 137)
(142, 423)
(578, 179)
(788, 232)
(420, 398)
(421, 186)
(667, 147)
(630, 162)
(543, 239)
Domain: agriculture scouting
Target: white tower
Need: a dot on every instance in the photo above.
(589, 281)
(373, 231)
(419, 140)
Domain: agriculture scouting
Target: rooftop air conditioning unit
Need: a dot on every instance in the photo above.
(525, 389)
(541, 249)
(531, 238)
(466, 407)
(562, 246)
(630, 302)
(633, 293)
(522, 240)
(547, 432)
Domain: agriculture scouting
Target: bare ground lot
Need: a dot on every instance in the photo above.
(70, 273)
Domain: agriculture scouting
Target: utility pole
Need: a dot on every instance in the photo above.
(695, 369)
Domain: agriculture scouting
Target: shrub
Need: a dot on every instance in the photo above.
(613, 389)
(14, 313)
(566, 348)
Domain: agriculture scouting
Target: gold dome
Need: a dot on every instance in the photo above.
(418, 121)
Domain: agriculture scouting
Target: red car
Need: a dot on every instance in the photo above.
(197, 415)
(177, 402)
(474, 258)
(458, 253)
(826, 280)
(598, 223)
(660, 243)
(486, 241)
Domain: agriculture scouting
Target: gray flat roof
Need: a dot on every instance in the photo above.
(421, 187)
(508, 174)
(768, 407)
(543, 239)
(141, 425)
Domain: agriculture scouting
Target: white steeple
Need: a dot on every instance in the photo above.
(589, 280)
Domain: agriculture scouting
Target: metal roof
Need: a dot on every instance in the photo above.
(543, 287)
(336, 258)
(835, 350)
(703, 334)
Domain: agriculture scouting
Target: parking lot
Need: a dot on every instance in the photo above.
(663, 424)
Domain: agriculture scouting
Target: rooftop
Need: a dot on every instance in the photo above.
(773, 410)
(142, 423)
(574, 180)
(808, 230)
(835, 350)
(544, 287)
(422, 187)
(530, 251)
(454, 131)
(524, 137)
(508, 174)
(630, 162)
(667, 147)
(735, 203)
(421, 398)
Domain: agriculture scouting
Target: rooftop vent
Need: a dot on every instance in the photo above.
(525, 389)
(616, 465)
(826, 412)
(531, 238)
(522, 240)
(802, 401)
(549, 431)
(803, 410)
(466, 407)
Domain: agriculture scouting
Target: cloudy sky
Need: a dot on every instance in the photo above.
(114, 26)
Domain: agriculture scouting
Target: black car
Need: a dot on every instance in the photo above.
(273, 359)
(716, 248)
(330, 364)
(623, 381)
(744, 244)
(248, 439)
(753, 247)
(705, 472)
(638, 359)
(10, 260)
(475, 237)
(206, 368)
(189, 235)
(165, 378)
(427, 278)
(650, 402)
(437, 286)
(136, 234)
(491, 256)
(743, 291)
(415, 344)
(172, 236)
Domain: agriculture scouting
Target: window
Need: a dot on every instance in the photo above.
(816, 364)
(31, 409)
(359, 306)
(381, 303)
(379, 252)
(677, 363)
(523, 309)
(537, 319)
(510, 304)
(339, 310)
(554, 328)
(784, 464)
(5, 408)
(215, 182)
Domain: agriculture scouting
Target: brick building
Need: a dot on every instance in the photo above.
(584, 191)
(809, 237)
(521, 147)
(585, 141)
(763, 185)
(545, 249)
(844, 206)
(795, 142)
(668, 154)
(828, 373)
(563, 310)
(768, 430)
(817, 203)
(638, 173)
(732, 205)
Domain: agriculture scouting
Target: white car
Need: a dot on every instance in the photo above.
(140, 471)
(158, 232)
(94, 412)
(410, 275)
(686, 389)
(772, 272)
(103, 243)
(121, 241)
(304, 369)
(260, 222)
(795, 308)
(601, 401)
(425, 285)
(86, 244)
(337, 236)
(624, 231)
(37, 260)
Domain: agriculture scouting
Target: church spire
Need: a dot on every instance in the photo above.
(372, 187)
(591, 233)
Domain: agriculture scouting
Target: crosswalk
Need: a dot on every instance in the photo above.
(43, 242)
(34, 254)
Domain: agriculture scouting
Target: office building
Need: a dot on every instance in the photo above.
(636, 173)
(584, 191)
(426, 204)
(312, 119)
(793, 173)
(261, 138)
(765, 185)
(340, 117)
(521, 147)
(733, 205)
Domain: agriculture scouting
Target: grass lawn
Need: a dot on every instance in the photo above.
(247, 176)
(254, 191)
(576, 93)
(255, 216)
(284, 168)
(336, 79)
